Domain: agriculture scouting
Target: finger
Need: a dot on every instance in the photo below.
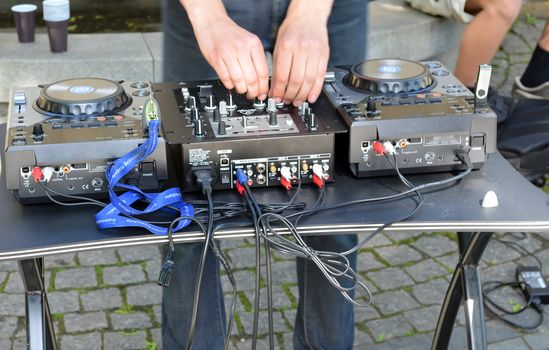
(299, 65)
(262, 71)
(319, 80)
(223, 74)
(282, 63)
(235, 71)
(250, 76)
(309, 78)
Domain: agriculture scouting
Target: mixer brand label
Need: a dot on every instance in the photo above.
(389, 69)
(82, 89)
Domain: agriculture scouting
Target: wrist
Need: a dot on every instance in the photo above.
(318, 9)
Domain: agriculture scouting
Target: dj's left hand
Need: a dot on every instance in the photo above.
(301, 53)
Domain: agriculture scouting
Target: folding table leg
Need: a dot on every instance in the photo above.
(40, 332)
(465, 282)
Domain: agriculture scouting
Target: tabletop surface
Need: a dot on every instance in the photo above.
(43, 229)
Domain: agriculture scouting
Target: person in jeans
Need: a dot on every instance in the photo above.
(207, 39)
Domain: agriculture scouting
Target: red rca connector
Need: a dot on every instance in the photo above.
(378, 147)
(37, 174)
(287, 184)
(318, 181)
(241, 190)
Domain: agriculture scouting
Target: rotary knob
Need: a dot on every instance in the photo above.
(390, 75)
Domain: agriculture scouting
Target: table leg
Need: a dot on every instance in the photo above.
(40, 332)
(465, 282)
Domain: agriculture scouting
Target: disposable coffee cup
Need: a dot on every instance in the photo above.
(56, 15)
(25, 21)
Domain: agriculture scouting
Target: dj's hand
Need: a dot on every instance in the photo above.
(235, 54)
(301, 53)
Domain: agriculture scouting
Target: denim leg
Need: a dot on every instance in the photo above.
(177, 302)
(325, 319)
(347, 32)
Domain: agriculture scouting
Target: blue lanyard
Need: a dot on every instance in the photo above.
(116, 213)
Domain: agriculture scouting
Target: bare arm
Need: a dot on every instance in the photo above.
(235, 54)
(301, 52)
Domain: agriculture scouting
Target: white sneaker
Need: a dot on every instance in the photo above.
(454, 9)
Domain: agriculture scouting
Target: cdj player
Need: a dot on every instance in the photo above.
(211, 128)
(69, 131)
(418, 111)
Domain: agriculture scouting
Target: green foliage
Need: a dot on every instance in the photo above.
(150, 345)
(381, 337)
(125, 309)
(530, 19)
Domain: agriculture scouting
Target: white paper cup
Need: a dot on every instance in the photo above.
(56, 10)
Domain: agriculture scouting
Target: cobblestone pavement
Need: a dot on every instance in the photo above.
(109, 299)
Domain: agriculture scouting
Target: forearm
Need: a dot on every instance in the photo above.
(319, 9)
(201, 11)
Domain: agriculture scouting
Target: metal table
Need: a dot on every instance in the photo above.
(31, 232)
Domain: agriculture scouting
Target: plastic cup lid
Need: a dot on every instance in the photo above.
(24, 8)
(56, 10)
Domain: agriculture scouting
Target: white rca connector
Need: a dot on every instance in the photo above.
(286, 173)
(47, 172)
(389, 148)
(318, 171)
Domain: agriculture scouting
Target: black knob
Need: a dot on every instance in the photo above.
(312, 121)
(194, 115)
(371, 106)
(221, 130)
(37, 129)
(191, 103)
(198, 128)
(216, 116)
(273, 120)
(306, 114)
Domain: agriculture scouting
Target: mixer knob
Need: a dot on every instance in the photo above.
(303, 108)
(312, 121)
(221, 129)
(216, 116)
(244, 122)
(210, 104)
(371, 106)
(194, 115)
(198, 128)
(191, 103)
(306, 114)
(223, 108)
(271, 105)
(273, 120)
(259, 104)
(38, 132)
(230, 101)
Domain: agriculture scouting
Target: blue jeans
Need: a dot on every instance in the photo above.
(325, 320)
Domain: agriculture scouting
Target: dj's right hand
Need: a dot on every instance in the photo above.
(235, 54)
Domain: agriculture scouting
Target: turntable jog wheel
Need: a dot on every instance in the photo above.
(83, 96)
(390, 75)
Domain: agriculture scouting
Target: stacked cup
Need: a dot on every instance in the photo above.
(25, 21)
(56, 15)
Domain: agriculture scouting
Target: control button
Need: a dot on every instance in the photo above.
(37, 129)
(225, 177)
(385, 103)
(19, 98)
(420, 102)
(77, 126)
(436, 94)
(221, 130)
(451, 91)
(94, 125)
(139, 85)
(371, 106)
(147, 167)
(141, 93)
(433, 65)
(435, 100)
(101, 119)
(19, 141)
(111, 124)
(198, 128)
(404, 102)
(477, 141)
(57, 126)
(273, 119)
(118, 117)
(449, 86)
(430, 156)
(440, 73)
(217, 116)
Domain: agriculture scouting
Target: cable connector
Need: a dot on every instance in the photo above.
(241, 190)
(287, 184)
(167, 269)
(389, 148)
(48, 173)
(318, 181)
(241, 176)
(318, 171)
(204, 178)
(463, 156)
(286, 173)
(378, 147)
(37, 174)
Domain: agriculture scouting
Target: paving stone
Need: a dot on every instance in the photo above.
(435, 245)
(101, 299)
(232, 243)
(63, 302)
(128, 274)
(512, 344)
(424, 319)
(497, 252)
(537, 341)
(450, 261)
(5, 344)
(8, 326)
(388, 328)
(87, 341)
(152, 269)
(390, 278)
(288, 340)
(85, 322)
(244, 257)
(156, 335)
(280, 299)
(502, 272)
(3, 276)
(262, 343)
(418, 341)
(395, 301)
(157, 311)
(61, 260)
(380, 240)
(131, 320)
(76, 278)
(246, 319)
(9, 266)
(497, 331)
(12, 304)
(528, 241)
(145, 294)
(119, 341)
(98, 257)
(290, 316)
(362, 338)
(19, 344)
(431, 292)
(15, 283)
(400, 254)
(245, 281)
(426, 270)
(365, 313)
(367, 261)
(139, 253)
(284, 272)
